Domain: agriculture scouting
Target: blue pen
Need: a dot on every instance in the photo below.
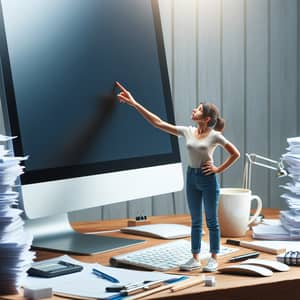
(105, 276)
(114, 297)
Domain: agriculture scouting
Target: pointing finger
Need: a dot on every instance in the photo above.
(120, 86)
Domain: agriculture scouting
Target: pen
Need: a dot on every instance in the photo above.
(105, 276)
(119, 287)
(158, 289)
(243, 256)
(132, 290)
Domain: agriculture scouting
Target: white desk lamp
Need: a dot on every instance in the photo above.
(253, 159)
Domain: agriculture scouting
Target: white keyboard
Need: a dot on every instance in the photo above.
(165, 256)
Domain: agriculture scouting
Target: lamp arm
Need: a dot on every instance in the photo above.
(264, 165)
(253, 156)
(247, 175)
(251, 160)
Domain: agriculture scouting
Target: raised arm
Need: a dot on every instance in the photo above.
(125, 97)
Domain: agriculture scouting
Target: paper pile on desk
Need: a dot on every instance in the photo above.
(15, 257)
(272, 230)
(291, 160)
(289, 227)
(290, 221)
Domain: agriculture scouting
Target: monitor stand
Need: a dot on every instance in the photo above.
(55, 233)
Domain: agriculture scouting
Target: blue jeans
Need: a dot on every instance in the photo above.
(205, 189)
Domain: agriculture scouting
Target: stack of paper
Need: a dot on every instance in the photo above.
(292, 200)
(273, 231)
(15, 257)
(288, 227)
(291, 160)
(290, 219)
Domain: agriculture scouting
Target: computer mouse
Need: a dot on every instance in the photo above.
(250, 270)
(270, 264)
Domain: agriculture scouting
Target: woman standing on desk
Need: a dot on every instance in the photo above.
(202, 184)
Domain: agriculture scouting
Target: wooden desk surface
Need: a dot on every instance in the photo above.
(279, 286)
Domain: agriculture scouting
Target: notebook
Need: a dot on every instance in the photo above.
(291, 258)
(163, 231)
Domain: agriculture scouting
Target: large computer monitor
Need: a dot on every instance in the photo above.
(59, 62)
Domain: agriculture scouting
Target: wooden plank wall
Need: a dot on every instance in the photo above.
(242, 55)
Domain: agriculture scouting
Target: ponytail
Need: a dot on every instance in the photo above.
(220, 124)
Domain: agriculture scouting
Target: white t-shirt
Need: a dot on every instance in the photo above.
(200, 150)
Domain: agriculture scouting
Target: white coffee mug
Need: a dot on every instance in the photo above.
(234, 211)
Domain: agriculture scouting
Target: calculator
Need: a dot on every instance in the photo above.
(53, 269)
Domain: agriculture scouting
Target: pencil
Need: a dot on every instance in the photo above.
(187, 284)
(153, 291)
(249, 245)
(160, 289)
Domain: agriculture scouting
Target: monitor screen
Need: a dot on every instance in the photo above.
(60, 60)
